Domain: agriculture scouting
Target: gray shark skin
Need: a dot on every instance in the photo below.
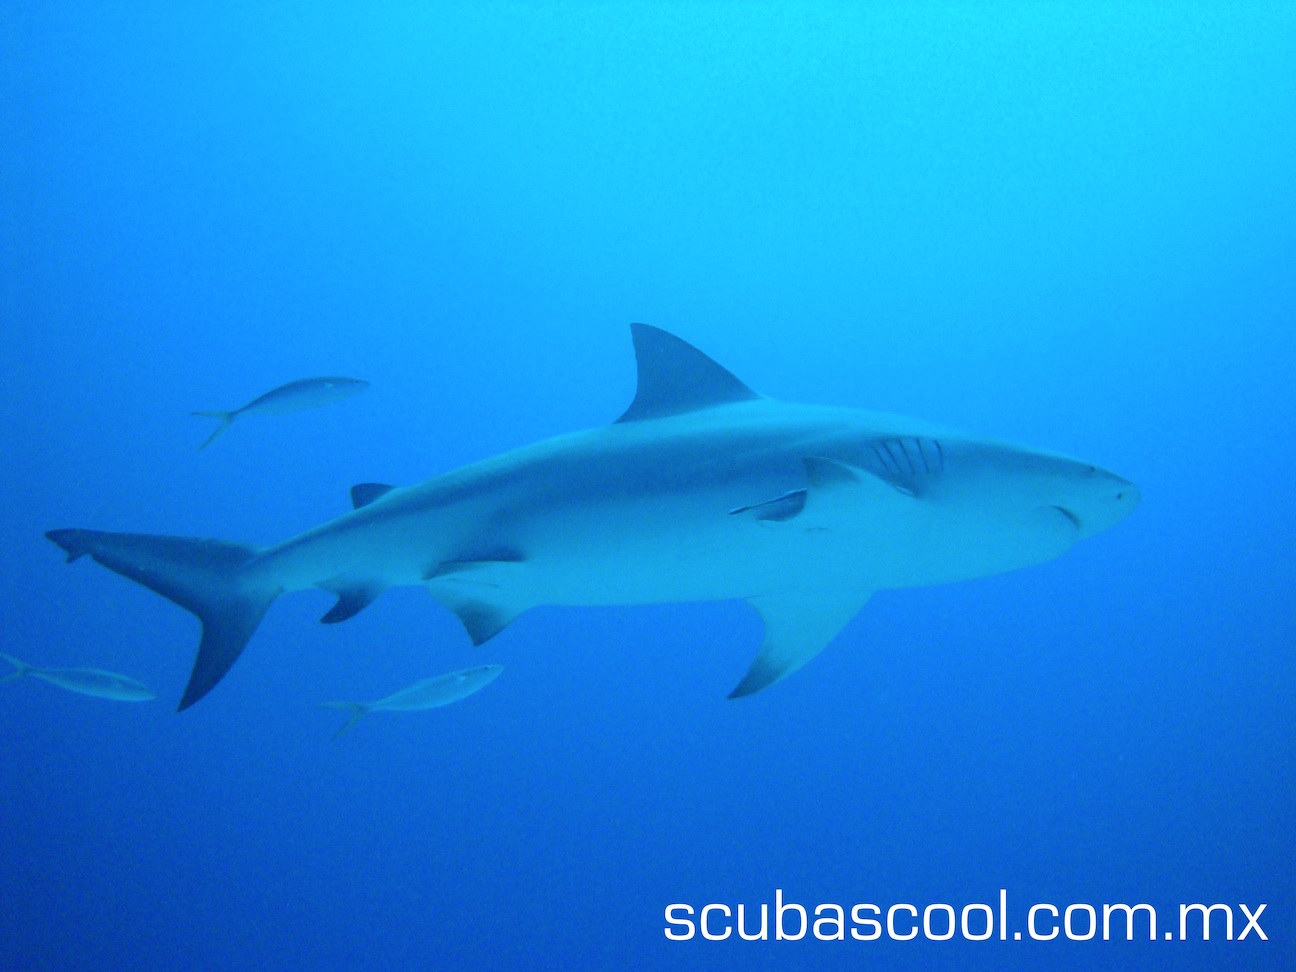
(703, 490)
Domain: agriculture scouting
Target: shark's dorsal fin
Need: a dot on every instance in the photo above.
(675, 377)
(362, 494)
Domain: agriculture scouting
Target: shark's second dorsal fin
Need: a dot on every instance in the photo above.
(675, 377)
(362, 494)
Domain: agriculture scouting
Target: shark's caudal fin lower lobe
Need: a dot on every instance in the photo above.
(202, 576)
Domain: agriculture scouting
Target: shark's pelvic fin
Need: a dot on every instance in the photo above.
(362, 494)
(798, 625)
(351, 600)
(675, 377)
(202, 576)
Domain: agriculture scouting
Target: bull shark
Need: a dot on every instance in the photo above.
(702, 490)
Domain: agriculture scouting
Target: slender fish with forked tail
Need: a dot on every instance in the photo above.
(85, 681)
(292, 397)
(427, 694)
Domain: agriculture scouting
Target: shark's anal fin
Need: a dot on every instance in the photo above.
(776, 510)
(362, 494)
(798, 625)
(351, 600)
(675, 377)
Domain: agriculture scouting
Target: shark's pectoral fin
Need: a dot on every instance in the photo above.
(483, 611)
(485, 590)
(351, 600)
(798, 625)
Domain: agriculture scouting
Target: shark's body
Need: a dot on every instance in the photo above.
(702, 490)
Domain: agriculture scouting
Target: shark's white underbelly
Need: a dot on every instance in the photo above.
(660, 555)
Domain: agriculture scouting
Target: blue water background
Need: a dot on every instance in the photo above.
(1072, 226)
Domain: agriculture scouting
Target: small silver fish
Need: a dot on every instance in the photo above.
(292, 397)
(427, 694)
(86, 681)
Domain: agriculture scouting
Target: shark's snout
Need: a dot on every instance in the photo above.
(1105, 501)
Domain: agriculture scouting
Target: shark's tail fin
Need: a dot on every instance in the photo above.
(20, 668)
(202, 576)
(225, 419)
(357, 709)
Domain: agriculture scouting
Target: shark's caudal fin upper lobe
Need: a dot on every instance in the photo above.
(202, 576)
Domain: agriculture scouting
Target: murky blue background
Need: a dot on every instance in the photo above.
(1069, 226)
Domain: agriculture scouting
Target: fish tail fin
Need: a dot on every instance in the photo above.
(202, 576)
(20, 668)
(357, 709)
(225, 419)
